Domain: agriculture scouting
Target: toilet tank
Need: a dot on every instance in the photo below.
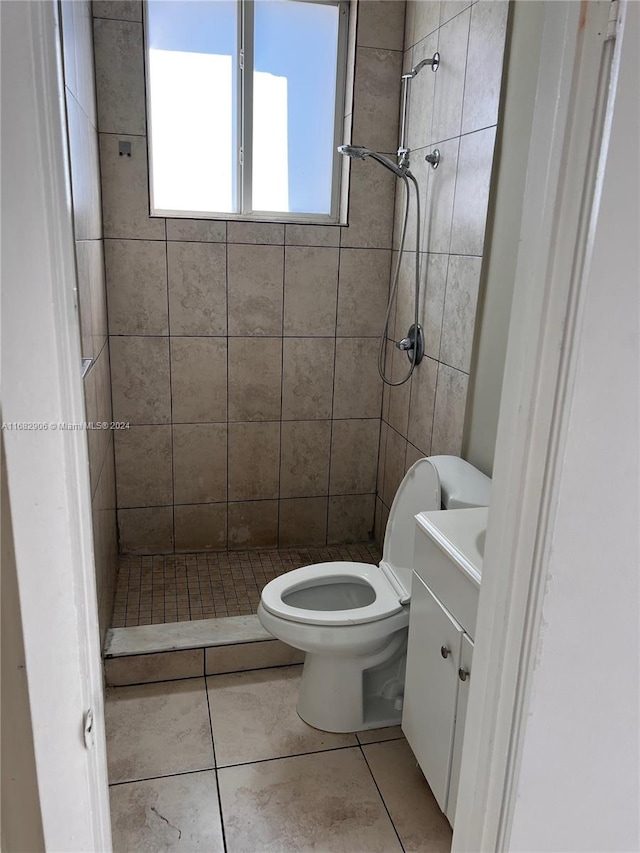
(461, 485)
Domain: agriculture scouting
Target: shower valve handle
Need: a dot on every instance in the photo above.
(405, 344)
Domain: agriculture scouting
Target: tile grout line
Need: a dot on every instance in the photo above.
(380, 794)
(215, 763)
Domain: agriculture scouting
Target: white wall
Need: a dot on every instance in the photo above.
(578, 782)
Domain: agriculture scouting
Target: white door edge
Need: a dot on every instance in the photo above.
(560, 203)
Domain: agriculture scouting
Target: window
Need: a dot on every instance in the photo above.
(245, 105)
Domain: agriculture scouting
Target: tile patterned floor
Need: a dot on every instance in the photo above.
(225, 764)
(178, 588)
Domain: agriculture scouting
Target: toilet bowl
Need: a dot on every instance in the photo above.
(352, 619)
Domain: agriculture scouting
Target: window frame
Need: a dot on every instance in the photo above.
(244, 105)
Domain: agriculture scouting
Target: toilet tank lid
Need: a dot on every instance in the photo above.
(461, 484)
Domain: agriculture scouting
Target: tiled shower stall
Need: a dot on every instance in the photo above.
(243, 355)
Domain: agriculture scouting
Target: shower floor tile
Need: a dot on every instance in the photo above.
(183, 587)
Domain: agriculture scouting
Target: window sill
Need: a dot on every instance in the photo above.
(268, 218)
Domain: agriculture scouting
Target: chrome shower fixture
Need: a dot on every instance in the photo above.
(359, 152)
(403, 151)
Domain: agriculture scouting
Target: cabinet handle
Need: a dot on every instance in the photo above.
(445, 652)
(463, 674)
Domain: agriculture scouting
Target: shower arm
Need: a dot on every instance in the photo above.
(403, 151)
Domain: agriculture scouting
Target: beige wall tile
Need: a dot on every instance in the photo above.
(181, 801)
(472, 192)
(394, 465)
(422, 173)
(254, 461)
(145, 669)
(310, 288)
(201, 527)
(399, 395)
(199, 463)
(363, 291)
(413, 454)
(382, 517)
(119, 59)
(140, 374)
(371, 191)
(83, 272)
(354, 456)
(253, 524)
(441, 191)
(426, 20)
(248, 656)
(255, 278)
(376, 98)
(421, 96)
(197, 230)
(312, 235)
(381, 24)
(199, 379)
(423, 393)
(448, 420)
(453, 39)
(124, 10)
(255, 379)
(412, 807)
(143, 466)
(405, 296)
(94, 259)
(451, 8)
(197, 288)
(146, 531)
(85, 172)
(303, 521)
(350, 518)
(304, 463)
(125, 191)
(434, 278)
(463, 282)
(265, 233)
(358, 388)
(307, 381)
(137, 287)
(384, 432)
(485, 59)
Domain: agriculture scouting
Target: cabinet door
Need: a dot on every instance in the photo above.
(461, 717)
(431, 687)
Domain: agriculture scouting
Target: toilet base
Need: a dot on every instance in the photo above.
(351, 694)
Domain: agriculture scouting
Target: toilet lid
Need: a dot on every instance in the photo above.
(418, 492)
(386, 601)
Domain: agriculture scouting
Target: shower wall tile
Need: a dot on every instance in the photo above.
(357, 388)
(140, 379)
(304, 462)
(376, 97)
(350, 518)
(310, 288)
(124, 10)
(422, 93)
(434, 280)
(451, 8)
(256, 284)
(146, 531)
(197, 230)
(381, 24)
(354, 453)
(255, 379)
(254, 461)
(137, 287)
(200, 527)
(486, 51)
(394, 465)
(472, 192)
(399, 395)
(448, 420)
(85, 172)
(440, 198)
(308, 378)
(197, 288)
(422, 404)
(265, 233)
(199, 463)
(253, 524)
(426, 19)
(363, 291)
(119, 63)
(143, 466)
(125, 190)
(371, 193)
(453, 39)
(463, 282)
(199, 380)
(303, 522)
(312, 235)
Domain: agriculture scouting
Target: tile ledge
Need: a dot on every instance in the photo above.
(175, 636)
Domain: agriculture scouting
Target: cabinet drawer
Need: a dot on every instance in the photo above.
(457, 592)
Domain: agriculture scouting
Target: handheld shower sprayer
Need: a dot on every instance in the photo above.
(359, 152)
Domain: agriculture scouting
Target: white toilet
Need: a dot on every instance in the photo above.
(352, 618)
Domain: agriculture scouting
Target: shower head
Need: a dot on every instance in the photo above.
(359, 152)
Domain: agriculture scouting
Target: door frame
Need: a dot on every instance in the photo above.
(567, 153)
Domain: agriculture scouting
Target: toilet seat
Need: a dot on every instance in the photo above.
(386, 602)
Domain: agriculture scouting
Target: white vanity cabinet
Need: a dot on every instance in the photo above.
(444, 598)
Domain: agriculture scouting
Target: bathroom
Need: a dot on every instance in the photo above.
(259, 421)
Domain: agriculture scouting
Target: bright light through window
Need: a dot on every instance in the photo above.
(241, 125)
